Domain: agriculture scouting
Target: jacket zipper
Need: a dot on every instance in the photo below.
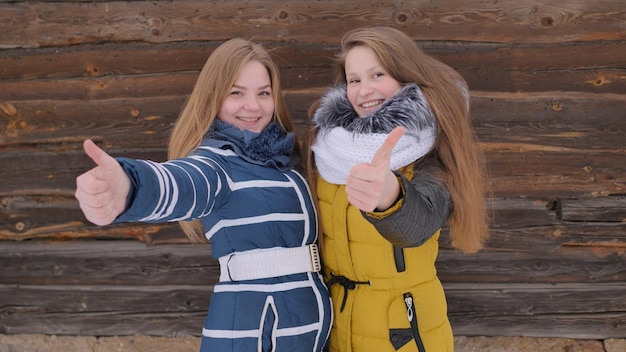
(412, 316)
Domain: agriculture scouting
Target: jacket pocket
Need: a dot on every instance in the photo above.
(403, 327)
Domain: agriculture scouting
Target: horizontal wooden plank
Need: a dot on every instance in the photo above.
(118, 299)
(100, 88)
(59, 217)
(123, 59)
(140, 86)
(552, 175)
(65, 124)
(470, 59)
(514, 213)
(130, 262)
(575, 326)
(180, 83)
(536, 299)
(54, 173)
(106, 262)
(547, 174)
(589, 235)
(474, 309)
(536, 171)
(556, 120)
(530, 265)
(44, 124)
(158, 22)
(559, 121)
(562, 310)
(593, 209)
(103, 310)
(104, 60)
(592, 80)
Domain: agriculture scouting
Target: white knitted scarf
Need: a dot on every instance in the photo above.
(338, 150)
(345, 139)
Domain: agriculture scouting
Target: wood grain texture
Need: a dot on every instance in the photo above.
(512, 310)
(46, 24)
(548, 94)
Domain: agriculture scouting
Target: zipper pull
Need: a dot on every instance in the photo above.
(408, 301)
(412, 316)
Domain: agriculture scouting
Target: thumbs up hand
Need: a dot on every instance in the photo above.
(374, 185)
(102, 191)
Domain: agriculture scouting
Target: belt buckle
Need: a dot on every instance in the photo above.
(315, 258)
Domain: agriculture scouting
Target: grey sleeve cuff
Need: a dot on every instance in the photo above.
(425, 208)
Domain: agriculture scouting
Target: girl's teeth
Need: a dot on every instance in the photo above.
(370, 104)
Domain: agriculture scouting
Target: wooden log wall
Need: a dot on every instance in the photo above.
(548, 100)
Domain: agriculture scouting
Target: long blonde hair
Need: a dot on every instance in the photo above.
(456, 146)
(211, 89)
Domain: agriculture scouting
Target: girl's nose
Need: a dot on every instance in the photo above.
(365, 89)
(251, 104)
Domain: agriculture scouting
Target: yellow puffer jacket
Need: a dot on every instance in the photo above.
(371, 315)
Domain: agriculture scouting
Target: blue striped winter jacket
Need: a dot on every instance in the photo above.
(243, 205)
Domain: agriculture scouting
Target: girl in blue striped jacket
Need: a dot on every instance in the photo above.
(232, 170)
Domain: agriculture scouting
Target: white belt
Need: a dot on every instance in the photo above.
(272, 262)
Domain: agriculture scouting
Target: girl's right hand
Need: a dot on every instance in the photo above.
(102, 191)
(374, 186)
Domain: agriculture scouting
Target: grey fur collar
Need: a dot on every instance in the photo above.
(408, 108)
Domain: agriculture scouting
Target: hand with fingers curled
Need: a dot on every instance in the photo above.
(374, 186)
(102, 191)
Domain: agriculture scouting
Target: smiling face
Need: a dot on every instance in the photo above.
(369, 84)
(250, 102)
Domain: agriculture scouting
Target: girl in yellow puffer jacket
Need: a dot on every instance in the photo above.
(394, 159)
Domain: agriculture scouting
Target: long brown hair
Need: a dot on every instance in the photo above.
(214, 83)
(456, 146)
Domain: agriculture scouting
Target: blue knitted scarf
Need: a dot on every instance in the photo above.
(271, 147)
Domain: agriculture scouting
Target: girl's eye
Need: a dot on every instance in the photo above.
(265, 93)
(379, 74)
(235, 92)
(353, 81)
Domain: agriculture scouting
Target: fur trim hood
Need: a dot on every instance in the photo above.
(408, 108)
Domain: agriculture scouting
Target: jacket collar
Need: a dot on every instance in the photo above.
(408, 108)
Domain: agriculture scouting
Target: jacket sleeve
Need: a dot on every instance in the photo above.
(181, 189)
(423, 208)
